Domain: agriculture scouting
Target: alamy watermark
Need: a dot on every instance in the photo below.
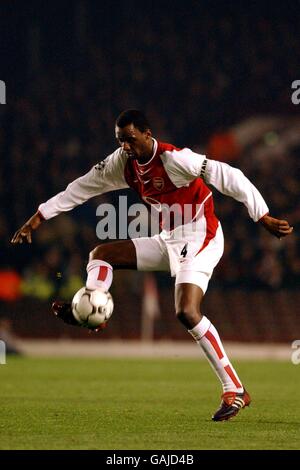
(133, 220)
(295, 357)
(2, 352)
(2, 92)
(296, 94)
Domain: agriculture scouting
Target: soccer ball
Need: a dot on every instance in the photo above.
(92, 308)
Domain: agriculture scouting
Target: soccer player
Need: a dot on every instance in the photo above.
(165, 175)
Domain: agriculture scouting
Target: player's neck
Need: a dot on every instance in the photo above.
(148, 154)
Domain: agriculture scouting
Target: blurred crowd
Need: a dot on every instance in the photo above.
(196, 79)
(270, 157)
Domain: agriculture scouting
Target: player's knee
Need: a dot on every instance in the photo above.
(98, 253)
(188, 315)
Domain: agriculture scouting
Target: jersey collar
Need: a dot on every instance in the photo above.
(155, 145)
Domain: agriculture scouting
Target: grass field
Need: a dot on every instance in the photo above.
(143, 404)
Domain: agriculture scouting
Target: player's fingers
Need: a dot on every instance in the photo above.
(283, 224)
(285, 232)
(286, 229)
(24, 233)
(20, 234)
(15, 238)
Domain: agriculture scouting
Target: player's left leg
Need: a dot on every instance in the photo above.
(188, 298)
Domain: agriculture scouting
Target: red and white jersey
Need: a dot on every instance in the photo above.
(171, 176)
(168, 181)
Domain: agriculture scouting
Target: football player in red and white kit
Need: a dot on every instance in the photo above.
(165, 175)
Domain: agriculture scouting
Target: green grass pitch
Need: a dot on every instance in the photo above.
(143, 404)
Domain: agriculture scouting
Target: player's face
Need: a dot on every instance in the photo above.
(136, 144)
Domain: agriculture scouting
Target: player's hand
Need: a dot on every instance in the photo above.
(24, 233)
(277, 227)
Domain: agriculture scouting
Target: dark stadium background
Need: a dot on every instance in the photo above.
(214, 76)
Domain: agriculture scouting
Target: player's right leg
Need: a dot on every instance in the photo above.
(144, 254)
(102, 260)
(107, 257)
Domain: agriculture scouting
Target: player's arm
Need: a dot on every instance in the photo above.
(107, 175)
(232, 182)
(183, 166)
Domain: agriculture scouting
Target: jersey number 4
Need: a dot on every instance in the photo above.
(184, 251)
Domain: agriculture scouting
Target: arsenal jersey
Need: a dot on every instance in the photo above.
(172, 177)
(159, 184)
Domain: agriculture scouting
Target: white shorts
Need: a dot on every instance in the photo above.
(186, 255)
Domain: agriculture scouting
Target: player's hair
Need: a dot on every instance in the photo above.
(135, 117)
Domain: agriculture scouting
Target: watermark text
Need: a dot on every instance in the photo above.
(138, 220)
(2, 352)
(2, 92)
(296, 94)
(295, 357)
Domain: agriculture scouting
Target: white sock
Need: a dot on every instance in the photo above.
(100, 274)
(208, 338)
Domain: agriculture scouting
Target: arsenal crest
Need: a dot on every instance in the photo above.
(158, 183)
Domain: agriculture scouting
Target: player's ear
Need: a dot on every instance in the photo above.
(148, 133)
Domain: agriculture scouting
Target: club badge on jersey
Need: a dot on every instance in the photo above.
(158, 183)
(100, 166)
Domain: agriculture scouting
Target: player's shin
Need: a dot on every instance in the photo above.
(99, 275)
(208, 338)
